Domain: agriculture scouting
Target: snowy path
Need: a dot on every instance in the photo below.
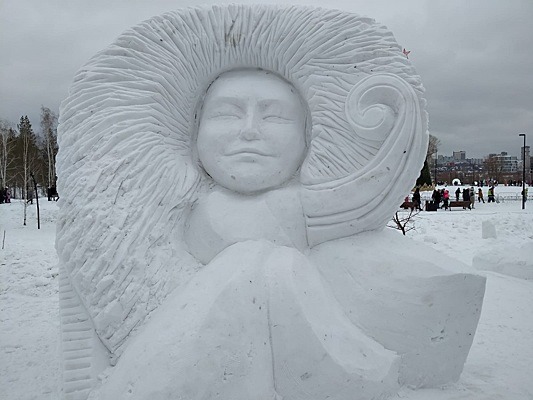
(29, 309)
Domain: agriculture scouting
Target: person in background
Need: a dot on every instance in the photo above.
(457, 194)
(29, 196)
(436, 197)
(466, 197)
(55, 195)
(446, 197)
(491, 195)
(480, 196)
(416, 199)
(472, 197)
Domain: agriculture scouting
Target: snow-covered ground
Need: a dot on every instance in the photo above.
(500, 364)
(29, 303)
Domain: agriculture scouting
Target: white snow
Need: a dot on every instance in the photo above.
(498, 366)
(29, 309)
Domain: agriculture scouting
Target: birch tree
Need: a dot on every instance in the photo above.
(29, 156)
(7, 139)
(49, 130)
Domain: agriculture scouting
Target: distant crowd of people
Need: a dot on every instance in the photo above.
(5, 195)
(467, 196)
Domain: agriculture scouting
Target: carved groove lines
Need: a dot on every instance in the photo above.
(76, 341)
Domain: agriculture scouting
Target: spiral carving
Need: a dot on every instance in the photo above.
(374, 105)
(383, 109)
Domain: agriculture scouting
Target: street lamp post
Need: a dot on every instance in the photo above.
(523, 171)
(436, 158)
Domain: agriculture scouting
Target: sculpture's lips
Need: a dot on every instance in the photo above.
(247, 150)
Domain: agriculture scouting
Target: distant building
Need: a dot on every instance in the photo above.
(499, 167)
(459, 155)
(442, 160)
(505, 162)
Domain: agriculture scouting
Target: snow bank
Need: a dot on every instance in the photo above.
(498, 257)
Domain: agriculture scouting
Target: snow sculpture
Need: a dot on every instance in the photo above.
(226, 173)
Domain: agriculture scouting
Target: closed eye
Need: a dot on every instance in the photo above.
(276, 118)
(224, 116)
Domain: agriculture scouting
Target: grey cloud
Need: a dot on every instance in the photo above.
(473, 56)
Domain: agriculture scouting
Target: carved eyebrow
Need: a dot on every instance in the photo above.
(275, 105)
(237, 102)
(272, 102)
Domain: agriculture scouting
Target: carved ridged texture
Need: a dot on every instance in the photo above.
(77, 343)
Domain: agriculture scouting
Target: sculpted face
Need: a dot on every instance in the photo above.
(251, 135)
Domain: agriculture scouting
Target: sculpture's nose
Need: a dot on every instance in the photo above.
(250, 130)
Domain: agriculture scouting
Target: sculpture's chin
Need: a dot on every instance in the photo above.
(247, 188)
(250, 178)
(252, 185)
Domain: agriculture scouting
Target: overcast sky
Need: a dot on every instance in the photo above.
(475, 58)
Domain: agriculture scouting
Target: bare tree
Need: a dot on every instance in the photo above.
(493, 167)
(404, 222)
(433, 147)
(431, 155)
(49, 130)
(7, 137)
(29, 150)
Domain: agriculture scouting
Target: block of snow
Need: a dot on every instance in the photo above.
(488, 230)
(407, 300)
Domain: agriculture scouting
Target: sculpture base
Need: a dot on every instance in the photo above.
(404, 295)
(265, 321)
